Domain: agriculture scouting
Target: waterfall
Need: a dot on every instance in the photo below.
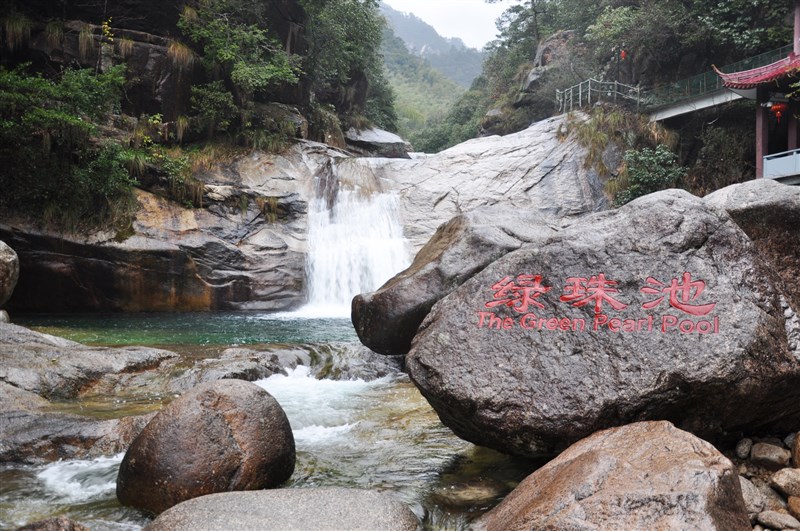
(355, 244)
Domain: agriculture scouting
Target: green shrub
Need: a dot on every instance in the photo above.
(649, 170)
(54, 166)
(245, 52)
(214, 106)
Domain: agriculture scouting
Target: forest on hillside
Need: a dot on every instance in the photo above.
(646, 43)
(97, 98)
(662, 40)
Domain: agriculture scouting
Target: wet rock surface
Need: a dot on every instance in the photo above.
(647, 475)
(60, 523)
(222, 436)
(44, 396)
(56, 368)
(311, 509)
(661, 309)
(31, 432)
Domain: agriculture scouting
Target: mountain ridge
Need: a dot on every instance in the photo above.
(448, 55)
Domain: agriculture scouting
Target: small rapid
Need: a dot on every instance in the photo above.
(358, 422)
(378, 433)
(85, 490)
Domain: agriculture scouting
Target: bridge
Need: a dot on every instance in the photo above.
(666, 101)
(682, 97)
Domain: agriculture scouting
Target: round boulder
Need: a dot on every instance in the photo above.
(660, 310)
(221, 436)
(648, 475)
(9, 272)
(312, 509)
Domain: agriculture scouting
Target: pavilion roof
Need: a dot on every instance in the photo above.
(747, 79)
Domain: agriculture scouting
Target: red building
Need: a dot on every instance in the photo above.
(777, 154)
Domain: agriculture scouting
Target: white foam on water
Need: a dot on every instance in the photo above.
(81, 480)
(321, 435)
(320, 410)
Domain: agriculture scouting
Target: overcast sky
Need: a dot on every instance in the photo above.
(471, 20)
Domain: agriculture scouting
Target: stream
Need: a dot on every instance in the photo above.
(377, 434)
(364, 429)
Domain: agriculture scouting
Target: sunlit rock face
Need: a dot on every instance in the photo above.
(647, 475)
(9, 272)
(540, 169)
(662, 309)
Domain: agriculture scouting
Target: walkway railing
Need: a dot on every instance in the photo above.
(783, 164)
(589, 92)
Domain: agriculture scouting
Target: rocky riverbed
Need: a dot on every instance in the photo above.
(648, 356)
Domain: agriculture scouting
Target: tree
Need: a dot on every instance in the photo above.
(345, 40)
(242, 51)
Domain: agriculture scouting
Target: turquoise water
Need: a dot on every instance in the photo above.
(210, 328)
(372, 434)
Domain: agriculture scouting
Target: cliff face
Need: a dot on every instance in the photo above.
(156, 83)
(247, 247)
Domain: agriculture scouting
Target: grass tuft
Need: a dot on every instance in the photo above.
(17, 29)
(54, 33)
(85, 42)
(124, 46)
(182, 56)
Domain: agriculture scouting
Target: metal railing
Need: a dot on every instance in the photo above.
(591, 91)
(581, 95)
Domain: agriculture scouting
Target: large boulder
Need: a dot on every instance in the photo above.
(9, 272)
(644, 476)
(222, 436)
(458, 250)
(375, 142)
(769, 213)
(312, 509)
(662, 309)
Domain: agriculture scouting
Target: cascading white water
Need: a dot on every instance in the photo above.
(354, 247)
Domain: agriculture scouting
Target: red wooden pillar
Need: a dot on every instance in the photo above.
(792, 125)
(762, 134)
